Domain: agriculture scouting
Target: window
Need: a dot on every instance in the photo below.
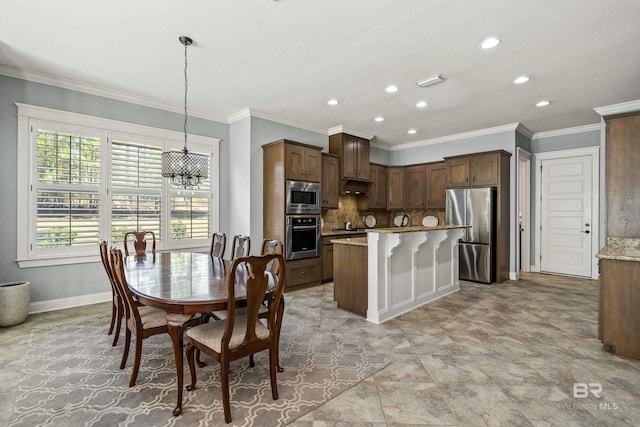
(88, 178)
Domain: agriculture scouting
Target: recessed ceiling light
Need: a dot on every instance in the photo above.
(379, 119)
(411, 131)
(332, 102)
(542, 104)
(391, 89)
(421, 104)
(490, 42)
(521, 79)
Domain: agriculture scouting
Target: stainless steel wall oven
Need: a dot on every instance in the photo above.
(302, 237)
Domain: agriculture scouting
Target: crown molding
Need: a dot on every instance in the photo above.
(239, 115)
(465, 135)
(341, 129)
(567, 131)
(624, 107)
(380, 145)
(252, 112)
(96, 90)
(522, 129)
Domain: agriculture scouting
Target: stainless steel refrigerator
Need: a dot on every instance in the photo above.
(474, 207)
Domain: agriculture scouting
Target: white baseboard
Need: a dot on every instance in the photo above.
(62, 303)
(513, 275)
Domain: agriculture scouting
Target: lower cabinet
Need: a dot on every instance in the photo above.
(618, 302)
(327, 254)
(350, 282)
(303, 272)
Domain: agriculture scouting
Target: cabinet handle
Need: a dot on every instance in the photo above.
(304, 273)
(474, 178)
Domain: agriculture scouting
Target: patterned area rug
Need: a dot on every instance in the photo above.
(71, 378)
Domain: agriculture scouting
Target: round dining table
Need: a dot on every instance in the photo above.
(182, 284)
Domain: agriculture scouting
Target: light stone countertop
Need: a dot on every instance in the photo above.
(415, 228)
(621, 249)
(356, 241)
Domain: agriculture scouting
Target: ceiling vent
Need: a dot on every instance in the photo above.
(431, 80)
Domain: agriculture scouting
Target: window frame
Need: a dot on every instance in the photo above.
(28, 115)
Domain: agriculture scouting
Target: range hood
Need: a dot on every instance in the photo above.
(355, 187)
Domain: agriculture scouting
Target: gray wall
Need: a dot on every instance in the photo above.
(80, 279)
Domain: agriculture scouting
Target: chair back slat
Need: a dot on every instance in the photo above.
(140, 242)
(241, 246)
(218, 244)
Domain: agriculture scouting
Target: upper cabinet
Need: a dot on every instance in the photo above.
(303, 163)
(395, 188)
(474, 170)
(415, 187)
(354, 153)
(436, 185)
(330, 181)
(622, 174)
(377, 194)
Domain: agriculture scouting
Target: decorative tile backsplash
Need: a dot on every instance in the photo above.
(348, 210)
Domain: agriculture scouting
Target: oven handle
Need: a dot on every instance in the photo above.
(304, 227)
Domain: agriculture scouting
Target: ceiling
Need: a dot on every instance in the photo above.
(284, 60)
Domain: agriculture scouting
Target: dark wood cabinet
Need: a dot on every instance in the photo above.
(350, 284)
(436, 185)
(395, 188)
(354, 154)
(377, 195)
(304, 272)
(302, 163)
(618, 302)
(622, 171)
(415, 185)
(330, 181)
(327, 253)
(474, 170)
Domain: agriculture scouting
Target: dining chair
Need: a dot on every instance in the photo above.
(241, 246)
(241, 335)
(218, 244)
(141, 320)
(140, 243)
(272, 246)
(117, 306)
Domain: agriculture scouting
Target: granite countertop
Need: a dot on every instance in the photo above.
(343, 232)
(356, 241)
(415, 228)
(621, 248)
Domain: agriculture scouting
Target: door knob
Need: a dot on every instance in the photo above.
(586, 231)
(587, 224)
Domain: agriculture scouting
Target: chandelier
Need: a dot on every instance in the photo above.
(185, 169)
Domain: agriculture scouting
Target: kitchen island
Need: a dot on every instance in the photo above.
(406, 267)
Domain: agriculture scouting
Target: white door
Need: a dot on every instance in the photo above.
(566, 222)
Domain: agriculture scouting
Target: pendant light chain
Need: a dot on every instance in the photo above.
(186, 87)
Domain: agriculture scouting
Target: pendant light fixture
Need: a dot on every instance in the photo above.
(185, 169)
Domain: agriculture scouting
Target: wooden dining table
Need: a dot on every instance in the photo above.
(183, 284)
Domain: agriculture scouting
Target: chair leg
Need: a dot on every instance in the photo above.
(199, 361)
(119, 316)
(125, 352)
(251, 361)
(224, 377)
(278, 329)
(136, 360)
(192, 368)
(113, 315)
(273, 368)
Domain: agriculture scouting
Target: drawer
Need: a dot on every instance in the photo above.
(306, 271)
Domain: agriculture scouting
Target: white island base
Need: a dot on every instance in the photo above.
(410, 267)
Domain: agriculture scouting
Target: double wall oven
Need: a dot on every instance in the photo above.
(303, 225)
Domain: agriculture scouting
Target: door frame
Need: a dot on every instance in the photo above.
(523, 208)
(594, 152)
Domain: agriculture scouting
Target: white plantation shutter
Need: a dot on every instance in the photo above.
(67, 187)
(136, 182)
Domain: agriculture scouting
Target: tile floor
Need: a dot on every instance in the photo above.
(505, 354)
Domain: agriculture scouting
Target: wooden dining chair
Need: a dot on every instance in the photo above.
(140, 242)
(117, 306)
(272, 246)
(218, 244)
(241, 335)
(241, 246)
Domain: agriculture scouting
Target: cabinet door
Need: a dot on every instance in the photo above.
(415, 182)
(313, 165)
(484, 169)
(362, 164)
(436, 186)
(330, 182)
(395, 188)
(327, 261)
(457, 172)
(379, 187)
(294, 162)
(350, 156)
